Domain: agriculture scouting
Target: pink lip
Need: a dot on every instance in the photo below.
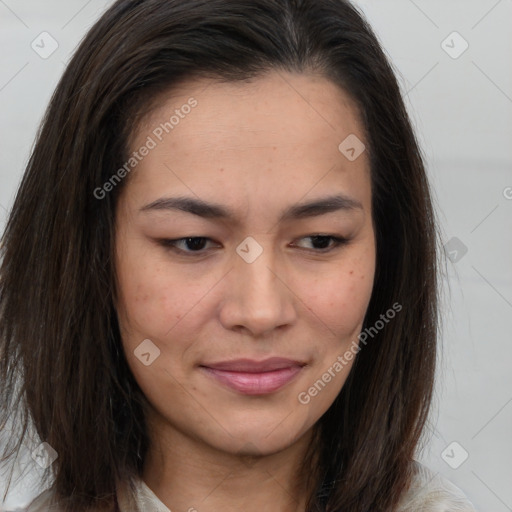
(254, 377)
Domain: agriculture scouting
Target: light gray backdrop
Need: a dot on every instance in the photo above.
(454, 62)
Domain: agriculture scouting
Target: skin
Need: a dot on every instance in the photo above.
(256, 147)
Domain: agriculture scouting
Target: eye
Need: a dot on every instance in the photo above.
(195, 245)
(322, 242)
(192, 244)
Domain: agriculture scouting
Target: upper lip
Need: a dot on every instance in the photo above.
(253, 366)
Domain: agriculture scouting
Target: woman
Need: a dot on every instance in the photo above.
(226, 249)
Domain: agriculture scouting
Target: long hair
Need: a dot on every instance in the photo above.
(62, 367)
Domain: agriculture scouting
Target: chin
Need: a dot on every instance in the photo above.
(261, 436)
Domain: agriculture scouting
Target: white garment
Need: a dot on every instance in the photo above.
(429, 492)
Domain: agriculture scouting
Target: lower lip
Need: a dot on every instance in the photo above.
(255, 383)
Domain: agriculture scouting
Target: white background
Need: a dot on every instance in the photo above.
(462, 110)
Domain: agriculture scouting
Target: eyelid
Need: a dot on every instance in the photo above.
(170, 244)
(337, 240)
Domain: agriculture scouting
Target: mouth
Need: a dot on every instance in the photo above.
(251, 377)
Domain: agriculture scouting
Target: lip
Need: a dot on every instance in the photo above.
(252, 377)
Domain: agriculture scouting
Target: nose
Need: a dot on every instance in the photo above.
(257, 298)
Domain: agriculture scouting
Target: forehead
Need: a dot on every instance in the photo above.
(278, 132)
(276, 95)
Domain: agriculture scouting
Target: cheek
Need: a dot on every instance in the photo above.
(154, 302)
(340, 299)
(153, 297)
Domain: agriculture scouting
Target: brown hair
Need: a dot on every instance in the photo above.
(62, 366)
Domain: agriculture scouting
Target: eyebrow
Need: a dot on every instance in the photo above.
(209, 210)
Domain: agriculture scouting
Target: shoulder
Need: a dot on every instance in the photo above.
(44, 502)
(431, 492)
(144, 497)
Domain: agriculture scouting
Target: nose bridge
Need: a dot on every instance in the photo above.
(260, 300)
(255, 266)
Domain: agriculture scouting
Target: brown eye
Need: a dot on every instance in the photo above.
(325, 243)
(187, 245)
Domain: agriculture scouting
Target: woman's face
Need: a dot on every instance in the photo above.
(230, 331)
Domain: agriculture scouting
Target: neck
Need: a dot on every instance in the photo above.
(187, 474)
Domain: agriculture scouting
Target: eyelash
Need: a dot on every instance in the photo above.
(171, 244)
